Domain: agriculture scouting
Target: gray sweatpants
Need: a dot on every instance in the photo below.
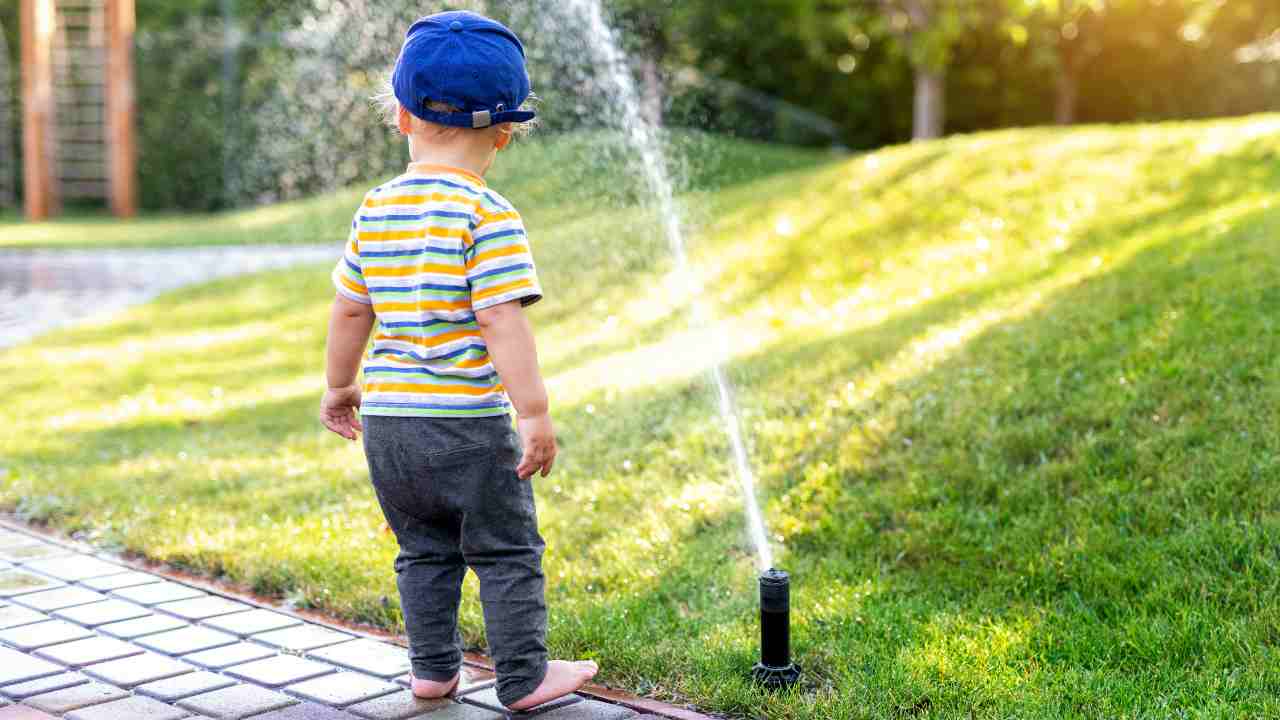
(449, 491)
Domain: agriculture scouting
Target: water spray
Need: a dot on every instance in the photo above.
(775, 669)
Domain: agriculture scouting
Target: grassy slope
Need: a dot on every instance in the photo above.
(1012, 399)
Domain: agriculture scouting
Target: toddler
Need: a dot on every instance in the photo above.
(441, 262)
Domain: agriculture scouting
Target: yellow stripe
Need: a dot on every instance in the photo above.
(352, 285)
(430, 231)
(414, 270)
(421, 305)
(433, 389)
(520, 249)
(499, 217)
(500, 289)
(433, 341)
(420, 199)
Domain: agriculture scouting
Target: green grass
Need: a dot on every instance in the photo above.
(1012, 400)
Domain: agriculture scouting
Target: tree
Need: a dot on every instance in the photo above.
(928, 31)
(1061, 23)
(647, 31)
(1066, 16)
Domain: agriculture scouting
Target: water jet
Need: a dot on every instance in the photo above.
(775, 669)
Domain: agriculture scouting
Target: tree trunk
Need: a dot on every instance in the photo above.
(652, 90)
(39, 187)
(1068, 91)
(930, 104)
(1068, 84)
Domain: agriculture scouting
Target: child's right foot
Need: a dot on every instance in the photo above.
(431, 689)
(563, 677)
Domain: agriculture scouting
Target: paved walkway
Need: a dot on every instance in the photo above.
(45, 289)
(86, 638)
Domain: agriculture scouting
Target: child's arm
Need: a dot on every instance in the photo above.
(512, 350)
(349, 327)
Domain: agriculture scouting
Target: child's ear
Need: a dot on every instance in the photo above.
(404, 121)
(504, 136)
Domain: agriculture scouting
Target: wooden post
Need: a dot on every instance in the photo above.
(121, 153)
(37, 24)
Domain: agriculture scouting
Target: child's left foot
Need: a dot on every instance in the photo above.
(562, 678)
(431, 689)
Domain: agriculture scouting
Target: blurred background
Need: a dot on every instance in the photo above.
(1009, 397)
(246, 102)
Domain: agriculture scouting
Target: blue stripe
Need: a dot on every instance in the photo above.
(495, 236)
(426, 358)
(425, 324)
(469, 188)
(354, 268)
(427, 371)
(437, 181)
(419, 216)
(410, 288)
(499, 271)
(432, 406)
(415, 251)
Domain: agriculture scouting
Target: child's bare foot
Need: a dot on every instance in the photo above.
(431, 689)
(563, 677)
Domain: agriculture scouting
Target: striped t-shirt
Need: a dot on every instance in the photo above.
(427, 250)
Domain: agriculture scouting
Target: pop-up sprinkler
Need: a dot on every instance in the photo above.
(775, 669)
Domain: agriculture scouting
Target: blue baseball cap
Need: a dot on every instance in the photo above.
(468, 61)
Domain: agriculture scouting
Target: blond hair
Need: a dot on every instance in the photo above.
(389, 108)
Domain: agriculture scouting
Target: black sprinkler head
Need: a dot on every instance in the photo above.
(775, 669)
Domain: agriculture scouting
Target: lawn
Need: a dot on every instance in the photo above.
(1013, 400)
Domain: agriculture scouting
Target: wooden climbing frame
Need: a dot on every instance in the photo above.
(78, 104)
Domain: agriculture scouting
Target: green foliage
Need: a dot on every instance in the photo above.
(792, 51)
(1003, 57)
(723, 67)
(1010, 397)
(926, 31)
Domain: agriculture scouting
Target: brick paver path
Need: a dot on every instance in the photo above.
(85, 638)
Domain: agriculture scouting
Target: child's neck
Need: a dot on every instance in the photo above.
(464, 154)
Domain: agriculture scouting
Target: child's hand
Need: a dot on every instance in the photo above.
(340, 411)
(539, 440)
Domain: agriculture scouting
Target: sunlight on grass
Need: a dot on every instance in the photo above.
(982, 652)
